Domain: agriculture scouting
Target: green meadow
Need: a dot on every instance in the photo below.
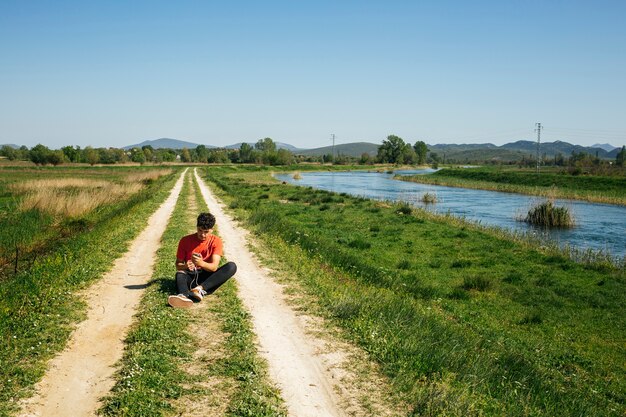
(549, 183)
(463, 319)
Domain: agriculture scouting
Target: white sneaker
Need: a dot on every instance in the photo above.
(197, 293)
(179, 301)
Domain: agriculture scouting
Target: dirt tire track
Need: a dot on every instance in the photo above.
(295, 365)
(80, 375)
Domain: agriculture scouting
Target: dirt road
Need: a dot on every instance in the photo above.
(82, 373)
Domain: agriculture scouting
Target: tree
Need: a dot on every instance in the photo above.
(106, 156)
(202, 153)
(185, 155)
(420, 151)
(165, 155)
(39, 154)
(392, 150)
(408, 155)
(365, 159)
(217, 156)
(72, 153)
(266, 145)
(621, 155)
(119, 155)
(246, 153)
(90, 155)
(138, 155)
(434, 158)
(8, 152)
(56, 157)
(283, 157)
(148, 153)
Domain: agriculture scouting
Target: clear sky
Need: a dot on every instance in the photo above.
(115, 73)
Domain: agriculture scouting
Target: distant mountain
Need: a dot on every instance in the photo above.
(514, 151)
(355, 149)
(10, 145)
(444, 147)
(606, 146)
(613, 153)
(166, 143)
(279, 145)
(553, 148)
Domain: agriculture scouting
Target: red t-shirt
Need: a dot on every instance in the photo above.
(190, 244)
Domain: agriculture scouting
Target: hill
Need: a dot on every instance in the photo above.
(444, 147)
(279, 145)
(554, 148)
(606, 146)
(355, 149)
(166, 143)
(10, 145)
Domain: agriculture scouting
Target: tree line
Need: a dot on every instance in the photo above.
(394, 150)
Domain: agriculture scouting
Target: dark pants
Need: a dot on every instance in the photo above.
(210, 281)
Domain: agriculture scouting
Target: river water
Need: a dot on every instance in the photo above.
(599, 227)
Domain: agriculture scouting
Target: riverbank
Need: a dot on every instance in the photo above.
(608, 190)
(462, 321)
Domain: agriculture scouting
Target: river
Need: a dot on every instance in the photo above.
(599, 227)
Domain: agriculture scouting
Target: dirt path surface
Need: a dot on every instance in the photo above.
(80, 375)
(296, 363)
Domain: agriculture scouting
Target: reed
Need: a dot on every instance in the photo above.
(429, 198)
(146, 176)
(71, 197)
(548, 215)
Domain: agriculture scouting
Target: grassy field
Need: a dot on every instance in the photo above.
(37, 304)
(42, 206)
(550, 184)
(463, 320)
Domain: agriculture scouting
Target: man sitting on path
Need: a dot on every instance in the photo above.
(197, 261)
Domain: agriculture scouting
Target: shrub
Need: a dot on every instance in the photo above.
(476, 283)
(429, 198)
(404, 264)
(404, 208)
(548, 215)
(359, 244)
(532, 318)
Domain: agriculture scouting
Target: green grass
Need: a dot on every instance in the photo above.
(37, 306)
(604, 189)
(154, 370)
(464, 321)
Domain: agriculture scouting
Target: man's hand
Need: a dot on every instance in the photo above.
(196, 260)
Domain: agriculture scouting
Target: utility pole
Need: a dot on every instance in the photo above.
(538, 130)
(333, 159)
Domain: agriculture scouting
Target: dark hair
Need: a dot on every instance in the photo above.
(206, 220)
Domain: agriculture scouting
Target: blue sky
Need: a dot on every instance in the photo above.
(117, 73)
